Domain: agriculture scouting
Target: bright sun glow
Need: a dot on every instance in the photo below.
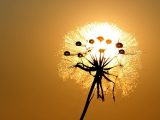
(101, 40)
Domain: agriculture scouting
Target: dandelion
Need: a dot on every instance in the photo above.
(103, 57)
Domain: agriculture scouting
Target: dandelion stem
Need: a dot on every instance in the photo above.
(97, 77)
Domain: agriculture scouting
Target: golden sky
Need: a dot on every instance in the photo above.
(31, 34)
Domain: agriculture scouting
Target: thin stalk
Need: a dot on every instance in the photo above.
(96, 78)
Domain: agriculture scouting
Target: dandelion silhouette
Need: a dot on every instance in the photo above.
(104, 52)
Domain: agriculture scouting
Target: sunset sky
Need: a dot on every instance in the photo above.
(31, 35)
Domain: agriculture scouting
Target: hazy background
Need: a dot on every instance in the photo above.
(31, 33)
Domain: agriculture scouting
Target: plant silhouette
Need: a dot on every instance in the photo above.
(106, 53)
(99, 66)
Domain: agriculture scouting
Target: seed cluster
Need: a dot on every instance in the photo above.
(118, 45)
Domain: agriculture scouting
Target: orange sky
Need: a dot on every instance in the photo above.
(31, 34)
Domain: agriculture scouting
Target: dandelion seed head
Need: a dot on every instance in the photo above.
(94, 39)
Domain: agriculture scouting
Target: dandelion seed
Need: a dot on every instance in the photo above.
(119, 45)
(108, 41)
(121, 51)
(91, 41)
(78, 43)
(66, 53)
